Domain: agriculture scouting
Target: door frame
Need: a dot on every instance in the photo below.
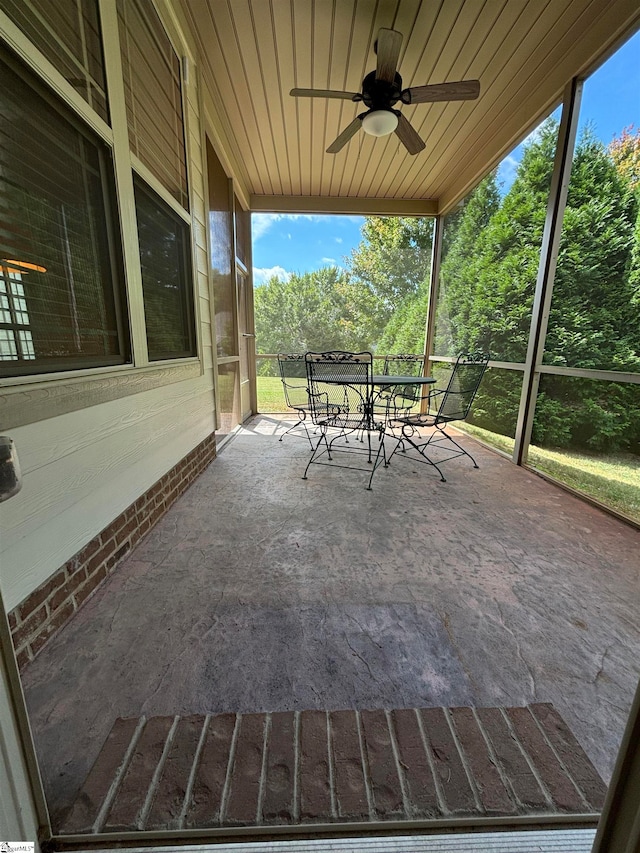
(246, 341)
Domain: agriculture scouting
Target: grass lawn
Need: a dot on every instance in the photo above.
(270, 396)
(613, 479)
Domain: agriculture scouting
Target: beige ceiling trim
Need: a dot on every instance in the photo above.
(357, 206)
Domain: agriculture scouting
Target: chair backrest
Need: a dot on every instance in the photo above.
(403, 365)
(340, 383)
(293, 372)
(457, 398)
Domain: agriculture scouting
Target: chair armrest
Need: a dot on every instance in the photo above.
(316, 397)
(319, 405)
(432, 399)
(400, 401)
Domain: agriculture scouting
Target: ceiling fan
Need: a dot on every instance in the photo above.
(381, 89)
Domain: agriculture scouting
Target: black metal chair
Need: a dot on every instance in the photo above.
(389, 401)
(341, 401)
(403, 365)
(293, 373)
(450, 402)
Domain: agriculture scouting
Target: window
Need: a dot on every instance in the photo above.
(166, 277)
(67, 32)
(16, 340)
(151, 72)
(60, 274)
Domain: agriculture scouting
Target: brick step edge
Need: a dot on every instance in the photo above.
(297, 767)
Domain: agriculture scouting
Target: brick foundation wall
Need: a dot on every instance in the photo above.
(44, 611)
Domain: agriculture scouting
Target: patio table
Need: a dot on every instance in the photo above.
(385, 381)
(359, 414)
(381, 381)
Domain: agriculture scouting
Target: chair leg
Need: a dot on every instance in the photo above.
(300, 422)
(425, 458)
(399, 443)
(314, 452)
(419, 448)
(380, 456)
(393, 452)
(459, 446)
(291, 428)
(381, 449)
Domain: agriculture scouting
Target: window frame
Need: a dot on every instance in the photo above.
(19, 369)
(188, 293)
(94, 384)
(46, 33)
(136, 163)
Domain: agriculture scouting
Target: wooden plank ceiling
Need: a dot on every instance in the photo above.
(254, 51)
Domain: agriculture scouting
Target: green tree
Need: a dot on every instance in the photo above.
(503, 275)
(594, 320)
(394, 256)
(405, 331)
(624, 150)
(592, 323)
(460, 249)
(319, 310)
(488, 282)
(393, 262)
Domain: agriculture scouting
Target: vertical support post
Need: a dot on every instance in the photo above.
(253, 367)
(434, 280)
(204, 146)
(547, 267)
(236, 295)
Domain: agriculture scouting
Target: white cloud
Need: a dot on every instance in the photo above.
(507, 172)
(329, 260)
(339, 240)
(263, 274)
(262, 222)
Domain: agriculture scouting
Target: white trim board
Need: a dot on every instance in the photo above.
(548, 841)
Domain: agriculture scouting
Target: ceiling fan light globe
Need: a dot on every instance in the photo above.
(379, 122)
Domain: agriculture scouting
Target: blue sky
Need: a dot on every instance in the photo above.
(284, 243)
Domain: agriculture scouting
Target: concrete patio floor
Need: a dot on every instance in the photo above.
(259, 591)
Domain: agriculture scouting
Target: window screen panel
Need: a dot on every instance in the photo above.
(67, 32)
(151, 74)
(60, 277)
(166, 277)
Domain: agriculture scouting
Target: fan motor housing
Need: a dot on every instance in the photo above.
(379, 94)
